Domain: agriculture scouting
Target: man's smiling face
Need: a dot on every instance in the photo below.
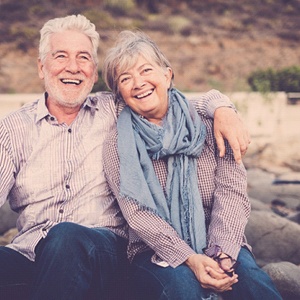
(69, 70)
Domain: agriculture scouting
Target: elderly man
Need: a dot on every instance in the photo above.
(72, 236)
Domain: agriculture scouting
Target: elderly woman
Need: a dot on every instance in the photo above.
(186, 206)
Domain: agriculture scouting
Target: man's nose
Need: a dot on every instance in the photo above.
(72, 65)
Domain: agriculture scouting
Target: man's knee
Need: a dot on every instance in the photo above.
(65, 229)
(69, 238)
(63, 238)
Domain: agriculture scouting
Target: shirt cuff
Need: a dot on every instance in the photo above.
(228, 248)
(207, 103)
(176, 257)
(217, 100)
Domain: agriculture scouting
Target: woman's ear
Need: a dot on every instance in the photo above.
(169, 76)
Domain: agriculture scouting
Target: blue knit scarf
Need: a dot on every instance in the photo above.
(180, 141)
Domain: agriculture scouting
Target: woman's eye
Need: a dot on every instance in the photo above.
(124, 79)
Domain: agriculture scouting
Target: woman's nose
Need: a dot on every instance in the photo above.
(139, 82)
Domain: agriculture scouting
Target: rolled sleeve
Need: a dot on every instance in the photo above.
(207, 103)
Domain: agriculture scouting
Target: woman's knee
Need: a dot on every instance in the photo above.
(253, 282)
(184, 284)
(155, 282)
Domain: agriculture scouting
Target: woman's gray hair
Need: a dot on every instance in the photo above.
(74, 22)
(129, 45)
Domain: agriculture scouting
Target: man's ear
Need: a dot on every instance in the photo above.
(96, 76)
(40, 69)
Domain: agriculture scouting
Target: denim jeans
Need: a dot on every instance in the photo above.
(74, 262)
(16, 274)
(253, 282)
(154, 282)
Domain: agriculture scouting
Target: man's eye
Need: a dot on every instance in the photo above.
(83, 57)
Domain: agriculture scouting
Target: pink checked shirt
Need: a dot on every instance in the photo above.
(222, 184)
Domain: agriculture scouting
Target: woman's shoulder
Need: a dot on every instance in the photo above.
(112, 138)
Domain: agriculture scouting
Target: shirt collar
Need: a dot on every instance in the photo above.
(42, 110)
(91, 103)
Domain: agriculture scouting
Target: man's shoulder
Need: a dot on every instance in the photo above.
(107, 100)
(102, 96)
(26, 111)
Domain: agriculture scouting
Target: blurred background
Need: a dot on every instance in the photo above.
(247, 49)
(224, 44)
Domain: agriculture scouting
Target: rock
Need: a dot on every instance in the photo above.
(288, 192)
(286, 277)
(8, 236)
(291, 177)
(7, 218)
(273, 238)
(295, 217)
(259, 205)
(267, 187)
(260, 185)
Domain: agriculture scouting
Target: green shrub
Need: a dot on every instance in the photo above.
(100, 84)
(286, 80)
(120, 7)
(178, 24)
(289, 79)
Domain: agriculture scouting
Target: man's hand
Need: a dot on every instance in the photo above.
(209, 274)
(228, 125)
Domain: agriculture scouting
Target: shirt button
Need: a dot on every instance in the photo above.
(61, 211)
(69, 130)
(52, 118)
(67, 186)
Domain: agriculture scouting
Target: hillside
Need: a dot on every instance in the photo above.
(211, 44)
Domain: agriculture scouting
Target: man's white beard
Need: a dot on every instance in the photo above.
(59, 97)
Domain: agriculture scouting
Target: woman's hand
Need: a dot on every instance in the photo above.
(209, 274)
(228, 125)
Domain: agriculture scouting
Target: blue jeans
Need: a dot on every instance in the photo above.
(73, 262)
(253, 282)
(153, 282)
(16, 274)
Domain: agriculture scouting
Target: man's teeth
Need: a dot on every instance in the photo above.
(144, 95)
(71, 81)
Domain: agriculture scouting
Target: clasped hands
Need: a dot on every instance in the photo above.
(209, 273)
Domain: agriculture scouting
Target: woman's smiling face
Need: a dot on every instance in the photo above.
(144, 88)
